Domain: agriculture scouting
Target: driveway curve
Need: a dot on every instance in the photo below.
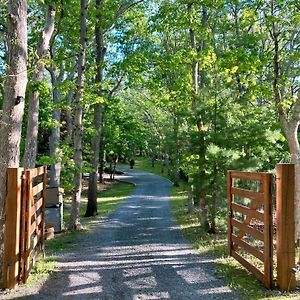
(138, 252)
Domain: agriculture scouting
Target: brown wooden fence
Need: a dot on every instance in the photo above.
(24, 224)
(251, 220)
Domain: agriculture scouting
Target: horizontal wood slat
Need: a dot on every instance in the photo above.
(37, 189)
(252, 250)
(37, 205)
(37, 171)
(248, 211)
(257, 196)
(259, 275)
(248, 229)
(36, 240)
(34, 218)
(239, 228)
(35, 224)
(247, 175)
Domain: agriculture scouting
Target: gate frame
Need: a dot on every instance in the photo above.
(18, 227)
(12, 230)
(265, 194)
(285, 226)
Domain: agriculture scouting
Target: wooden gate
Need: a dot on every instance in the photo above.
(24, 224)
(250, 222)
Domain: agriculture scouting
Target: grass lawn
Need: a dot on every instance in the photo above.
(144, 163)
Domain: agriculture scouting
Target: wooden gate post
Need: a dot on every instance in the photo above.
(285, 234)
(11, 255)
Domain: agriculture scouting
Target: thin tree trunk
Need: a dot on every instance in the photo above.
(290, 126)
(196, 76)
(292, 137)
(70, 97)
(54, 139)
(176, 165)
(74, 220)
(191, 204)
(167, 164)
(101, 154)
(161, 163)
(214, 195)
(13, 103)
(202, 179)
(91, 209)
(34, 96)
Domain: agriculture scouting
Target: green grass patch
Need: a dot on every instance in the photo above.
(108, 200)
(215, 245)
(43, 267)
(145, 164)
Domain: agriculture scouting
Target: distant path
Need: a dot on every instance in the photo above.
(137, 253)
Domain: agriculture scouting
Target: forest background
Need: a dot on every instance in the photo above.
(198, 86)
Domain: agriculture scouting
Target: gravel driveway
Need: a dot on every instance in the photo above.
(137, 253)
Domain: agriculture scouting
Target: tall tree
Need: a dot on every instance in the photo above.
(34, 93)
(104, 23)
(283, 23)
(91, 209)
(57, 72)
(14, 95)
(78, 129)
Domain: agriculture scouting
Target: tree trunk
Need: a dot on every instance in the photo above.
(34, 95)
(202, 179)
(13, 103)
(214, 195)
(70, 97)
(167, 164)
(290, 125)
(191, 204)
(176, 165)
(162, 163)
(76, 195)
(101, 154)
(196, 77)
(91, 209)
(54, 139)
(291, 133)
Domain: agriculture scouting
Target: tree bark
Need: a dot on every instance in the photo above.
(68, 112)
(292, 137)
(78, 129)
(54, 139)
(13, 103)
(290, 125)
(34, 95)
(191, 204)
(214, 195)
(91, 209)
(196, 77)
(176, 165)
